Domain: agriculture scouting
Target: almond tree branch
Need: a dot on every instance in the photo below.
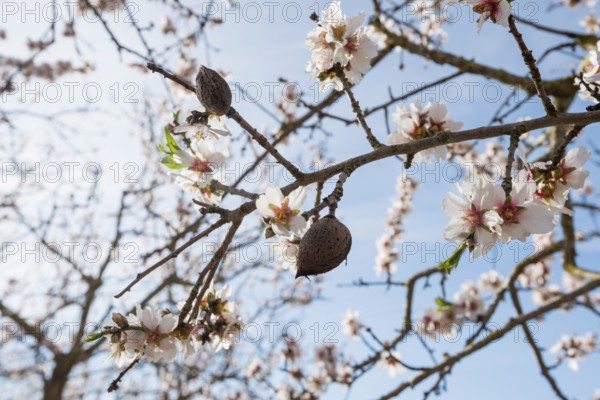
(532, 342)
(265, 144)
(533, 69)
(450, 361)
(360, 116)
(171, 256)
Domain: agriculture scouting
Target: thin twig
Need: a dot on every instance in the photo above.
(536, 77)
(171, 256)
(360, 116)
(265, 144)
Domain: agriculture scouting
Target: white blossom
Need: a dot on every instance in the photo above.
(497, 11)
(418, 122)
(350, 323)
(468, 301)
(575, 348)
(491, 281)
(339, 39)
(390, 361)
(283, 213)
(474, 214)
(201, 131)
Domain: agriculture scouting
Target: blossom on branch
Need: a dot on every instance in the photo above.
(339, 39)
(497, 11)
(473, 216)
(283, 213)
(419, 122)
(575, 348)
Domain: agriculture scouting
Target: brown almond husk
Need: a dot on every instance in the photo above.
(324, 246)
(213, 91)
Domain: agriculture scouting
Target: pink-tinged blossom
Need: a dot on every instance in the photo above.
(496, 11)
(283, 213)
(350, 324)
(468, 301)
(418, 122)
(435, 322)
(521, 213)
(338, 39)
(473, 215)
(203, 161)
(590, 23)
(197, 188)
(157, 327)
(590, 67)
(387, 254)
(575, 348)
(390, 361)
(491, 281)
(553, 184)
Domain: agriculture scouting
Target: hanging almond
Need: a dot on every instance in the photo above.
(213, 91)
(324, 246)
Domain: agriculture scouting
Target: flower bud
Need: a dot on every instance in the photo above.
(120, 320)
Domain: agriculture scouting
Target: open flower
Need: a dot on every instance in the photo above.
(497, 11)
(350, 323)
(491, 281)
(553, 184)
(159, 344)
(521, 214)
(419, 122)
(199, 189)
(473, 215)
(203, 161)
(575, 348)
(201, 131)
(283, 213)
(468, 301)
(338, 39)
(391, 362)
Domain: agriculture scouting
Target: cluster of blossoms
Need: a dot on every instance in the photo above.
(197, 166)
(419, 122)
(589, 82)
(575, 348)
(157, 334)
(498, 11)
(329, 368)
(485, 215)
(468, 304)
(387, 254)
(339, 40)
(282, 216)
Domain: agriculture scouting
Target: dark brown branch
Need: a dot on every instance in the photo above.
(536, 77)
(264, 143)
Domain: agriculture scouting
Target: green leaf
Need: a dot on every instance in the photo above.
(171, 143)
(452, 262)
(176, 117)
(94, 336)
(163, 149)
(169, 162)
(442, 302)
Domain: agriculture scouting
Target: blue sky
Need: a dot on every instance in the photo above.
(265, 50)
